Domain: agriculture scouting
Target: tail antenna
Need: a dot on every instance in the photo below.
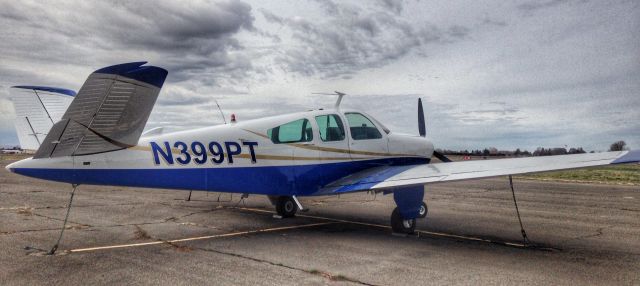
(221, 113)
(421, 125)
(340, 95)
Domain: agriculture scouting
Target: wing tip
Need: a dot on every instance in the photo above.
(632, 156)
(136, 70)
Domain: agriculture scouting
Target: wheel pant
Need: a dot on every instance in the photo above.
(409, 200)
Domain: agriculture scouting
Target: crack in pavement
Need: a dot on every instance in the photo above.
(74, 206)
(142, 234)
(81, 226)
(326, 275)
(68, 221)
(599, 231)
(20, 193)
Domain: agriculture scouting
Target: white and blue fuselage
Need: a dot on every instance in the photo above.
(242, 157)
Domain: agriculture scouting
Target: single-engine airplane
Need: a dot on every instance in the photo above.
(318, 152)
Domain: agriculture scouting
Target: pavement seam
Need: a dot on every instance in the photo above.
(173, 241)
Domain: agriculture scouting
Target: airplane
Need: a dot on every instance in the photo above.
(321, 152)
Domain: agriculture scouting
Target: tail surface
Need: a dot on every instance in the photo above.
(108, 113)
(37, 109)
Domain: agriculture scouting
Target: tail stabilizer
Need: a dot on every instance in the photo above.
(108, 113)
(37, 109)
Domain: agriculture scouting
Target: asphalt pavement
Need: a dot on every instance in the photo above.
(579, 234)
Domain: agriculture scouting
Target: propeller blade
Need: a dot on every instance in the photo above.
(441, 157)
(421, 128)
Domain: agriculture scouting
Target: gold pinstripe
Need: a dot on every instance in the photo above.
(336, 150)
(378, 155)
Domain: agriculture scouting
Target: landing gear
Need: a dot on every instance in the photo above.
(423, 210)
(409, 206)
(286, 206)
(400, 224)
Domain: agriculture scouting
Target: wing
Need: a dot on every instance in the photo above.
(389, 177)
(108, 113)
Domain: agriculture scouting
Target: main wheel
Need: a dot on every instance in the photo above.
(423, 210)
(286, 207)
(401, 225)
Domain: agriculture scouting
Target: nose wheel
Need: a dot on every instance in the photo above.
(402, 225)
(286, 206)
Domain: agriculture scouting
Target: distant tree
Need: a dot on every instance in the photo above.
(618, 146)
(486, 152)
(558, 151)
(517, 152)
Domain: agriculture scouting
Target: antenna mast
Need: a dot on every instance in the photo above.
(340, 95)
(223, 119)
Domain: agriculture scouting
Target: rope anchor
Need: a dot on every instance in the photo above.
(64, 224)
(525, 239)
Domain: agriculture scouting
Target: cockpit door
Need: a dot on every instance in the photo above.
(333, 143)
(366, 139)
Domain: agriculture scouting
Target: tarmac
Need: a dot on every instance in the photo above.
(579, 234)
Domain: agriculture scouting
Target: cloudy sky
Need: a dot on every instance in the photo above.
(491, 73)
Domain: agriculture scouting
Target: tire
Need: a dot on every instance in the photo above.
(423, 210)
(401, 225)
(286, 207)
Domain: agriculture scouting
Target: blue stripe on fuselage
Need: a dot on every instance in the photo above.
(274, 180)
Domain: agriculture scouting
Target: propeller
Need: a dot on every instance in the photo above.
(423, 132)
(421, 128)
(441, 157)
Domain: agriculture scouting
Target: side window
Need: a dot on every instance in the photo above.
(361, 127)
(295, 131)
(331, 127)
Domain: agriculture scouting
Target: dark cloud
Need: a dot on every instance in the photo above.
(537, 5)
(348, 39)
(189, 38)
(395, 6)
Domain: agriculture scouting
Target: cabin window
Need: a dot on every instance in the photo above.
(361, 127)
(330, 127)
(294, 131)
